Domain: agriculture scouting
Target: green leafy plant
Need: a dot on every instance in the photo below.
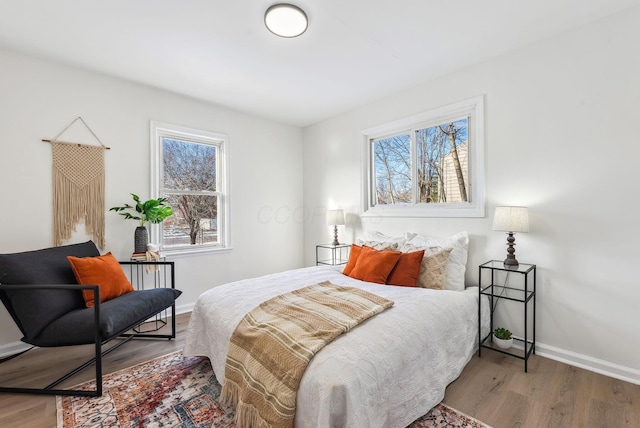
(153, 210)
(502, 333)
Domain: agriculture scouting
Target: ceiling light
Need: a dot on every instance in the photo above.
(285, 20)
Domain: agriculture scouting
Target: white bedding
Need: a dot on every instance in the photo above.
(386, 372)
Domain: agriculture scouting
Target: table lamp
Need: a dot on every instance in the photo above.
(511, 220)
(335, 218)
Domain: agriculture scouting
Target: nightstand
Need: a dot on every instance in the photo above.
(329, 254)
(523, 293)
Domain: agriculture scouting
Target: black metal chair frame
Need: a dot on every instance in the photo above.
(98, 342)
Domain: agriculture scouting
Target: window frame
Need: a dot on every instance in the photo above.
(472, 108)
(160, 130)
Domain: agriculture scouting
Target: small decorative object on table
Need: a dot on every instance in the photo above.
(502, 338)
(151, 255)
(153, 210)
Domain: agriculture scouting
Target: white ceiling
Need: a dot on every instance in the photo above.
(354, 52)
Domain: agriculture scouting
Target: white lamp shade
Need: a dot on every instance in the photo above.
(511, 219)
(286, 20)
(335, 217)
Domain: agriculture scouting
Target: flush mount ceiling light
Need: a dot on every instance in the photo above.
(285, 20)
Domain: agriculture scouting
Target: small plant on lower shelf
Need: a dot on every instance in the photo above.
(502, 333)
(502, 338)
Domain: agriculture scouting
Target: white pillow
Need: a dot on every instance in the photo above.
(378, 245)
(457, 265)
(380, 241)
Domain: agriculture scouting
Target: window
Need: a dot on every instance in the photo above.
(188, 168)
(428, 165)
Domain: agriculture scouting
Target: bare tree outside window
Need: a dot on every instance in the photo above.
(441, 164)
(392, 164)
(189, 172)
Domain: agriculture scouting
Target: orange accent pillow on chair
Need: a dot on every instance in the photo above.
(373, 265)
(104, 271)
(407, 270)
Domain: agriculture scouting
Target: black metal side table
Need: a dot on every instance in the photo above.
(329, 254)
(152, 274)
(526, 294)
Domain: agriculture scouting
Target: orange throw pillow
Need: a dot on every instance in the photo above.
(104, 271)
(373, 265)
(407, 270)
(353, 258)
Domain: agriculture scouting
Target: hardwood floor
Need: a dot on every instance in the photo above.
(493, 388)
(496, 390)
(39, 367)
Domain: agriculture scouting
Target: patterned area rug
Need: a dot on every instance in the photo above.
(178, 391)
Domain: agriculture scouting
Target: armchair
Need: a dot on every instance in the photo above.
(40, 292)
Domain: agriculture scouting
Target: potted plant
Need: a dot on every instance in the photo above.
(502, 338)
(153, 211)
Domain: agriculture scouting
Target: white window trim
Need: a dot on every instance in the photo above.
(474, 108)
(159, 130)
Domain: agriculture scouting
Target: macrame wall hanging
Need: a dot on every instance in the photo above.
(78, 187)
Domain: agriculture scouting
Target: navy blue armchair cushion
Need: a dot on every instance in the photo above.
(33, 311)
(116, 316)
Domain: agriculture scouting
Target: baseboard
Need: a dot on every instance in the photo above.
(13, 348)
(596, 365)
(183, 309)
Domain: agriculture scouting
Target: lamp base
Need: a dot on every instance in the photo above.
(511, 251)
(511, 261)
(335, 236)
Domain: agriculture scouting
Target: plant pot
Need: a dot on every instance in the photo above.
(140, 240)
(503, 343)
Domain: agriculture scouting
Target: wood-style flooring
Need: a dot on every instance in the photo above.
(493, 388)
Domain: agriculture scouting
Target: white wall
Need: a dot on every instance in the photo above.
(561, 138)
(39, 98)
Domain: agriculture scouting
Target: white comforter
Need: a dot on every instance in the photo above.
(386, 372)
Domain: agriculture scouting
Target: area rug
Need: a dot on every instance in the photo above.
(177, 391)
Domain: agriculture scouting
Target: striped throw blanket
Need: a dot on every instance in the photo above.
(273, 344)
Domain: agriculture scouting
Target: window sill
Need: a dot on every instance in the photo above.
(409, 210)
(182, 252)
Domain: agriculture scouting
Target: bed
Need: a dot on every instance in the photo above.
(386, 372)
